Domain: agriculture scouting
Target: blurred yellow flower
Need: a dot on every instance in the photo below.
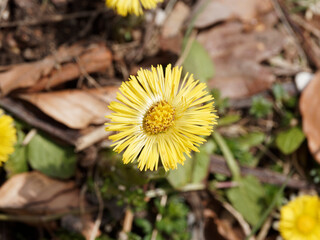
(125, 7)
(300, 219)
(7, 137)
(158, 116)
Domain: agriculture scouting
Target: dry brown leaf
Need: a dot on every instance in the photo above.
(76, 109)
(237, 56)
(56, 69)
(221, 10)
(173, 24)
(171, 35)
(172, 44)
(81, 139)
(309, 103)
(35, 193)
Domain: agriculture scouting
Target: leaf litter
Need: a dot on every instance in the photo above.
(61, 80)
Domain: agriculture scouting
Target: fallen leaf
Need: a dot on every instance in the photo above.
(35, 193)
(309, 103)
(174, 22)
(57, 68)
(76, 109)
(81, 139)
(237, 56)
(221, 10)
(171, 35)
(172, 44)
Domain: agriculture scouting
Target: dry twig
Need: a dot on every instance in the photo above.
(218, 165)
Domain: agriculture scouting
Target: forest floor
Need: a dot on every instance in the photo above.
(61, 64)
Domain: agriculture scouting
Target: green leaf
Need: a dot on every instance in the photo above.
(247, 198)
(276, 199)
(198, 62)
(17, 162)
(251, 139)
(195, 170)
(202, 161)
(290, 140)
(50, 158)
(181, 176)
(229, 119)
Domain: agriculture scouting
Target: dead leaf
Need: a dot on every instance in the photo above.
(309, 103)
(173, 24)
(221, 10)
(35, 193)
(172, 44)
(81, 139)
(56, 69)
(76, 109)
(237, 56)
(171, 34)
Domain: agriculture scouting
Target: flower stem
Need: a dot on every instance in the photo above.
(231, 162)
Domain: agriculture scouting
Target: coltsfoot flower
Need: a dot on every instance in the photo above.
(300, 219)
(159, 116)
(7, 137)
(125, 7)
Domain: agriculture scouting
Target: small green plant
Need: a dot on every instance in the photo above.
(173, 223)
(261, 107)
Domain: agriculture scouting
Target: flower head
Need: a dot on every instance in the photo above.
(123, 7)
(300, 219)
(7, 137)
(160, 116)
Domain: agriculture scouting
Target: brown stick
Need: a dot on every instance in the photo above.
(218, 165)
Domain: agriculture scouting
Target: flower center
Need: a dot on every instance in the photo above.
(305, 224)
(159, 118)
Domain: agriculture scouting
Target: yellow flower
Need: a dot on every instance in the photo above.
(123, 7)
(158, 116)
(7, 137)
(300, 219)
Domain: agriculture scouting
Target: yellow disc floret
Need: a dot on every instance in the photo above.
(159, 118)
(305, 223)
